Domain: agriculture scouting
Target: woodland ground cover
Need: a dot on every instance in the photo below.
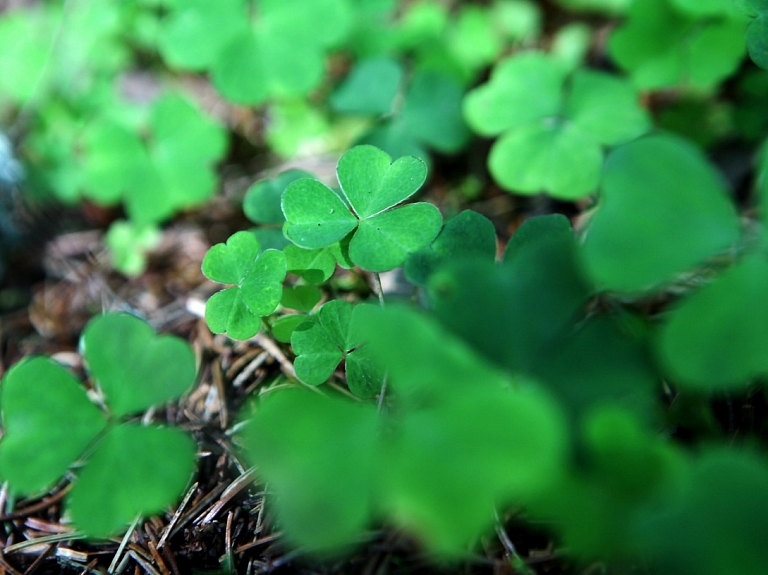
(435, 287)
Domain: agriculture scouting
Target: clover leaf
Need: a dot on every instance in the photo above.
(322, 469)
(757, 32)
(128, 470)
(45, 412)
(154, 176)
(314, 266)
(663, 47)
(129, 243)
(135, 470)
(257, 285)
(370, 88)
(372, 185)
(134, 367)
(715, 338)
(322, 344)
(469, 234)
(408, 114)
(552, 136)
(280, 53)
(261, 204)
(664, 208)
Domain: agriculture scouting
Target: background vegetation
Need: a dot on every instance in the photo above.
(452, 286)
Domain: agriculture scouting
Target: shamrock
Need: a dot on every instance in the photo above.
(372, 185)
(256, 281)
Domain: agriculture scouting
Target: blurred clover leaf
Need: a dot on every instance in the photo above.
(170, 170)
(132, 470)
(468, 234)
(261, 205)
(129, 243)
(433, 467)
(665, 43)
(372, 185)
(663, 207)
(278, 53)
(719, 539)
(425, 111)
(134, 367)
(256, 280)
(552, 126)
(757, 32)
(715, 339)
(322, 469)
(320, 345)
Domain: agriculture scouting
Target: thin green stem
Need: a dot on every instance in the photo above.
(379, 289)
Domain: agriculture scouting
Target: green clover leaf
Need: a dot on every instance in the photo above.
(187, 22)
(322, 344)
(301, 298)
(370, 88)
(257, 280)
(322, 469)
(552, 136)
(314, 266)
(135, 470)
(45, 412)
(134, 367)
(261, 204)
(664, 208)
(469, 234)
(757, 32)
(663, 47)
(716, 338)
(519, 443)
(372, 185)
(155, 175)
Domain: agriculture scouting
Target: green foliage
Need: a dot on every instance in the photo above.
(410, 120)
(552, 134)
(256, 280)
(404, 473)
(466, 235)
(667, 43)
(382, 235)
(663, 177)
(757, 32)
(154, 176)
(278, 53)
(557, 382)
(129, 470)
(333, 336)
(714, 340)
(129, 243)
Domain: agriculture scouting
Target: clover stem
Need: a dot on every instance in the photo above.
(379, 289)
(382, 393)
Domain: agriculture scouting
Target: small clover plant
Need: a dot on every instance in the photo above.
(333, 336)
(257, 285)
(366, 465)
(170, 170)
(128, 469)
(552, 126)
(382, 235)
